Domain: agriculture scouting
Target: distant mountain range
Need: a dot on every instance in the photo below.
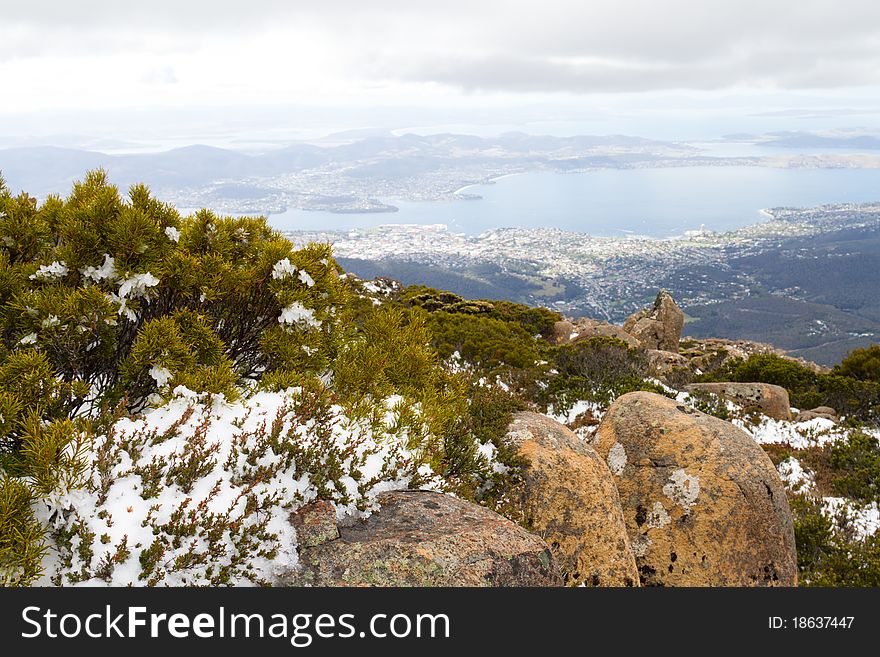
(810, 140)
(47, 169)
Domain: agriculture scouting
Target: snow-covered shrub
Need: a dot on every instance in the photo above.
(199, 490)
(82, 279)
(179, 349)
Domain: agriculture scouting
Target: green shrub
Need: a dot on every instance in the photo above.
(710, 404)
(179, 349)
(484, 421)
(92, 271)
(491, 344)
(769, 368)
(21, 535)
(861, 364)
(807, 388)
(828, 553)
(856, 464)
(860, 400)
(598, 369)
(109, 305)
(537, 321)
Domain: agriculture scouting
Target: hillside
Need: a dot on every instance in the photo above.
(805, 280)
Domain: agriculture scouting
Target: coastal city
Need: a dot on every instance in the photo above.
(579, 273)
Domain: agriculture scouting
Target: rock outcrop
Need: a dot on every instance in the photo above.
(566, 332)
(592, 328)
(315, 523)
(568, 496)
(563, 332)
(703, 504)
(664, 363)
(771, 400)
(422, 538)
(710, 353)
(657, 327)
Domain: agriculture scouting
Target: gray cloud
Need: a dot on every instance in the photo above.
(519, 46)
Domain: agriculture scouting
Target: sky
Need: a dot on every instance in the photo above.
(174, 67)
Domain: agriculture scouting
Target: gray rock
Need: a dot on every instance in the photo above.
(315, 523)
(422, 538)
(657, 327)
(769, 399)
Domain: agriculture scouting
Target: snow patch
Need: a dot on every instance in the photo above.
(296, 313)
(489, 452)
(864, 519)
(105, 271)
(30, 338)
(57, 269)
(794, 476)
(283, 269)
(137, 286)
(134, 497)
(161, 375)
(799, 435)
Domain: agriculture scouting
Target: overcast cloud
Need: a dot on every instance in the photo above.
(100, 53)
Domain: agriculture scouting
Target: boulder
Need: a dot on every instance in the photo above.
(663, 363)
(703, 504)
(563, 332)
(315, 523)
(657, 327)
(824, 412)
(569, 498)
(423, 538)
(566, 332)
(770, 399)
(592, 328)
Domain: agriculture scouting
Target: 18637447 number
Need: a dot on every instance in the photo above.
(810, 622)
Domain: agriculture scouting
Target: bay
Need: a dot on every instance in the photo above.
(657, 202)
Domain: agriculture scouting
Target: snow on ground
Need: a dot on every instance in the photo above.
(577, 409)
(865, 519)
(193, 479)
(795, 478)
(585, 433)
(799, 435)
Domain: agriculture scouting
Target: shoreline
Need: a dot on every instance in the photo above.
(489, 181)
